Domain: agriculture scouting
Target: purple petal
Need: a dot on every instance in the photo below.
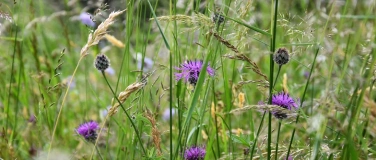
(86, 19)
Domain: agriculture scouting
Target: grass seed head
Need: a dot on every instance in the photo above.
(123, 96)
(100, 32)
(154, 132)
(241, 99)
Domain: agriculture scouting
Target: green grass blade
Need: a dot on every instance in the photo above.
(302, 99)
(249, 26)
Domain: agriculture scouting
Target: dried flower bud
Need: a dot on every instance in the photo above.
(102, 62)
(246, 151)
(281, 57)
(218, 18)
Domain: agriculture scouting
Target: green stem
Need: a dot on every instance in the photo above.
(257, 135)
(11, 78)
(171, 75)
(302, 100)
(270, 135)
(99, 153)
(279, 70)
(215, 120)
(122, 107)
(272, 49)
(276, 145)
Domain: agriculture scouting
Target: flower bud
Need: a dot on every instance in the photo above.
(218, 18)
(102, 62)
(281, 57)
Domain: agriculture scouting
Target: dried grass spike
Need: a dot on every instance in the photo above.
(114, 41)
(100, 32)
(154, 132)
(258, 107)
(123, 96)
(202, 20)
(241, 99)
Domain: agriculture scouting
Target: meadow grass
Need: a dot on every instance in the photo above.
(155, 103)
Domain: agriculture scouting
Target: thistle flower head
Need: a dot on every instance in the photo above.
(102, 62)
(190, 71)
(281, 57)
(195, 153)
(283, 100)
(88, 130)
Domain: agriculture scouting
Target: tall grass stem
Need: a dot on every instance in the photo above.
(126, 113)
(302, 99)
(62, 105)
(272, 49)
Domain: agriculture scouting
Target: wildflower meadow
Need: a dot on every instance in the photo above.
(187, 79)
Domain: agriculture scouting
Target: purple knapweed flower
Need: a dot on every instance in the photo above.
(68, 79)
(283, 100)
(166, 114)
(190, 70)
(306, 74)
(195, 153)
(32, 119)
(88, 130)
(86, 19)
(146, 65)
(110, 71)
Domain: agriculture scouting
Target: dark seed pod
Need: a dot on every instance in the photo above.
(246, 151)
(91, 137)
(281, 57)
(102, 62)
(192, 80)
(218, 18)
(280, 115)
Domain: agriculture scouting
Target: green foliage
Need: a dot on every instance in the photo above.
(331, 47)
